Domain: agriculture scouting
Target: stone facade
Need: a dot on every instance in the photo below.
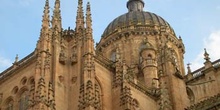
(137, 65)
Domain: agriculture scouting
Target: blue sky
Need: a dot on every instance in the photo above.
(196, 21)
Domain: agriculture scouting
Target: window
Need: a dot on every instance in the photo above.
(190, 95)
(113, 56)
(23, 80)
(23, 104)
(10, 105)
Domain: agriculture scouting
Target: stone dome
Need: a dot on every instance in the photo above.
(136, 17)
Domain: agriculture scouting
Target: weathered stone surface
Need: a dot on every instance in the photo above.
(137, 65)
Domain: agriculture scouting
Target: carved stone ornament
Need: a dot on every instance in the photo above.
(47, 62)
(39, 61)
(126, 101)
(74, 56)
(178, 74)
(211, 103)
(61, 78)
(74, 79)
(62, 57)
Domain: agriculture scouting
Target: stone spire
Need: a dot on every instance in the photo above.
(89, 45)
(56, 19)
(89, 93)
(42, 44)
(88, 40)
(46, 17)
(135, 5)
(80, 16)
(39, 89)
(88, 20)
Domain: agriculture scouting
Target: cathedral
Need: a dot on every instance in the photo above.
(138, 64)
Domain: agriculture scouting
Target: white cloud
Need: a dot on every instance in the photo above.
(212, 44)
(4, 63)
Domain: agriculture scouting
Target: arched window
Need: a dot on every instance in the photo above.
(9, 105)
(113, 56)
(190, 95)
(23, 103)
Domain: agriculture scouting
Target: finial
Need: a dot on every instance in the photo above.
(135, 5)
(45, 27)
(46, 16)
(88, 19)
(88, 6)
(47, 3)
(188, 68)
(57, 5)
(180, 38)
(80, 16)
(206, 55)
(16, 58)
(56, 20)
(88, 12)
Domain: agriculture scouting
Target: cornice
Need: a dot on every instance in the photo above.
(199, 73)
(16, 67)
(154, 93)
(103, 61)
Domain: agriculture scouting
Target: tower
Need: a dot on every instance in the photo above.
(136, 65)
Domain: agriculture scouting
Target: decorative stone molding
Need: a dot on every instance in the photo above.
(212, 103)
(164, 99)
(32, 95)
(90, 96)
(202, 71)
(99, 58)
(62, 57)
(127, 102)
(43, 97)
(152, 92)
(126, 99)
(47, 62)
(51, 98)
(40, 93)
(39, 61)
(74, 57)
(68, 34)
(61, 78)
(74, 79)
